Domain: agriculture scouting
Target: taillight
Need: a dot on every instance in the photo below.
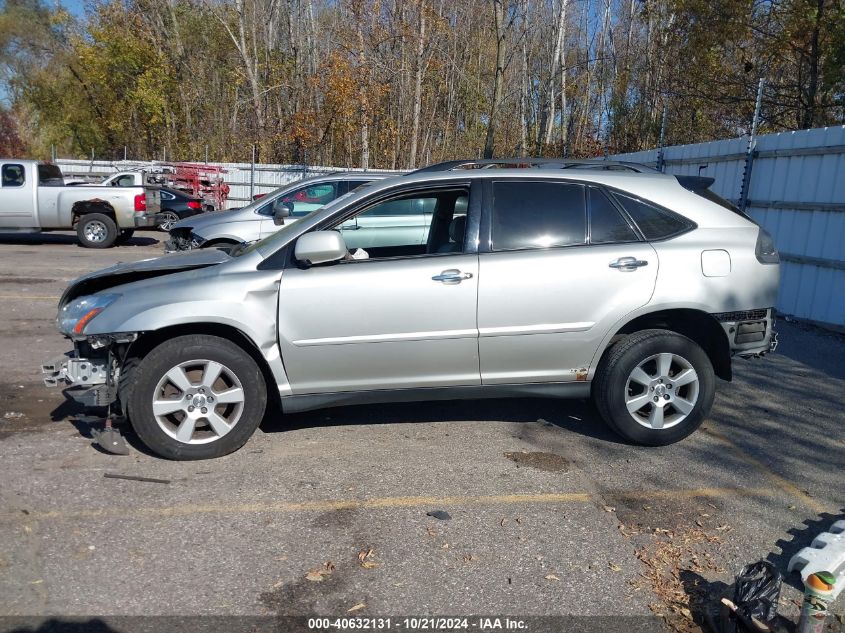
(140, 203)
(765, 249)
(194, 204)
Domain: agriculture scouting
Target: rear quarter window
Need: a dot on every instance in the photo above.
(655, 223)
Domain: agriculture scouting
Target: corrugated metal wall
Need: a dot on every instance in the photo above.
(237, 176)
(797, 192)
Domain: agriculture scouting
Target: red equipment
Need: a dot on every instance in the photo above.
(200, 180)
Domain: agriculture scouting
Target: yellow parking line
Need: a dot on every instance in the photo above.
(783, 484)
(384, 502)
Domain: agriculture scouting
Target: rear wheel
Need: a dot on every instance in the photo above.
(654, 387)
(166, 220)
(96, 230)
(195, 397)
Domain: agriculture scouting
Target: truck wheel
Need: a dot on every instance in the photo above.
(96, 230)
(195, 397)
(166, 220)
(125, 236)
(655, 387)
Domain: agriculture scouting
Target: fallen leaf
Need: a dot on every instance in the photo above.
(364, 554)
(609, 508)
(552, 577)
(698, 523)
(280, 558)
(791, 507)
(614, 567)
(468, 558)
(519, 520)
(368, 564)
(445, 546)
(357, 607)
(317, 575)
(503, 522)
(37, 582)
(722, 528)
(646, 508)
(431, 531)
(686, 613)
(276, 585)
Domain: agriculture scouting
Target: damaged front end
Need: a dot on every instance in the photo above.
(90, 374)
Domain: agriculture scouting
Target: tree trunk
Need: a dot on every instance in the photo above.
(418, 77)
(499, 23)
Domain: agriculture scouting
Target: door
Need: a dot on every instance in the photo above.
(405, 317)
(17, 202)
(552, 284)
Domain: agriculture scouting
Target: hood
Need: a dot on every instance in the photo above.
(217, 217)
(144, 269)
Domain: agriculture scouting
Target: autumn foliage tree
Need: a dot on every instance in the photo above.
(402, 83)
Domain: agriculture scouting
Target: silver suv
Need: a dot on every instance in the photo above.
(266, 215)
(533, 278)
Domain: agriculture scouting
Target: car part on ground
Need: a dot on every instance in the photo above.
(462, 288)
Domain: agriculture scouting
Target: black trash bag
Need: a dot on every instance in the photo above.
(757, 591)
(756, 595)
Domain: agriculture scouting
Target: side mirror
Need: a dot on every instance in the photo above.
(281, 210)
(320, 247)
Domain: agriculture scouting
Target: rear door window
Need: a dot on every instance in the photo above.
(607, 225)
(537, 214)
(13, 176)
(50, 176)
(654, 222)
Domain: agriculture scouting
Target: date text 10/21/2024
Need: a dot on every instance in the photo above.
(417, 624)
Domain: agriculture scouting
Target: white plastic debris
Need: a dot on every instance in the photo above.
(826, 553)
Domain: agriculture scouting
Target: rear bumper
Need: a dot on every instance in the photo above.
(144, 221)
(750, 332)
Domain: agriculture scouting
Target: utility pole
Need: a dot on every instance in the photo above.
(752, 145)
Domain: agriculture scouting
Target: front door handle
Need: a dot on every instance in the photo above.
(452, 276)
(349, 227)
(627, 264)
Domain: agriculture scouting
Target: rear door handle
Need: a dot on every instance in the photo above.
(452, 276)
(627, 264)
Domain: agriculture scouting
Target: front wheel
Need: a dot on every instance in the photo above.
(654, 387)
(96, 230)
(195, 397)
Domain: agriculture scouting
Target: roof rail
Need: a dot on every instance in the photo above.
(537, 163)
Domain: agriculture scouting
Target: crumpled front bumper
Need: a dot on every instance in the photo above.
(83, 380)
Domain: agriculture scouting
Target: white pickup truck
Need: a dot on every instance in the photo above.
(33, 197)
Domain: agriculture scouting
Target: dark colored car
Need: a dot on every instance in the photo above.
(176, 205)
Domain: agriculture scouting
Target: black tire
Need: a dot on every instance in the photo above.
(96, 230)
(611, 387)
(141, 384)
(166, 220)
(124, 236)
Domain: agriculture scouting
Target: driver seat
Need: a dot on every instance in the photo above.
(457, 231)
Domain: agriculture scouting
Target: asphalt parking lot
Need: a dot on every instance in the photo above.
(326, 512)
